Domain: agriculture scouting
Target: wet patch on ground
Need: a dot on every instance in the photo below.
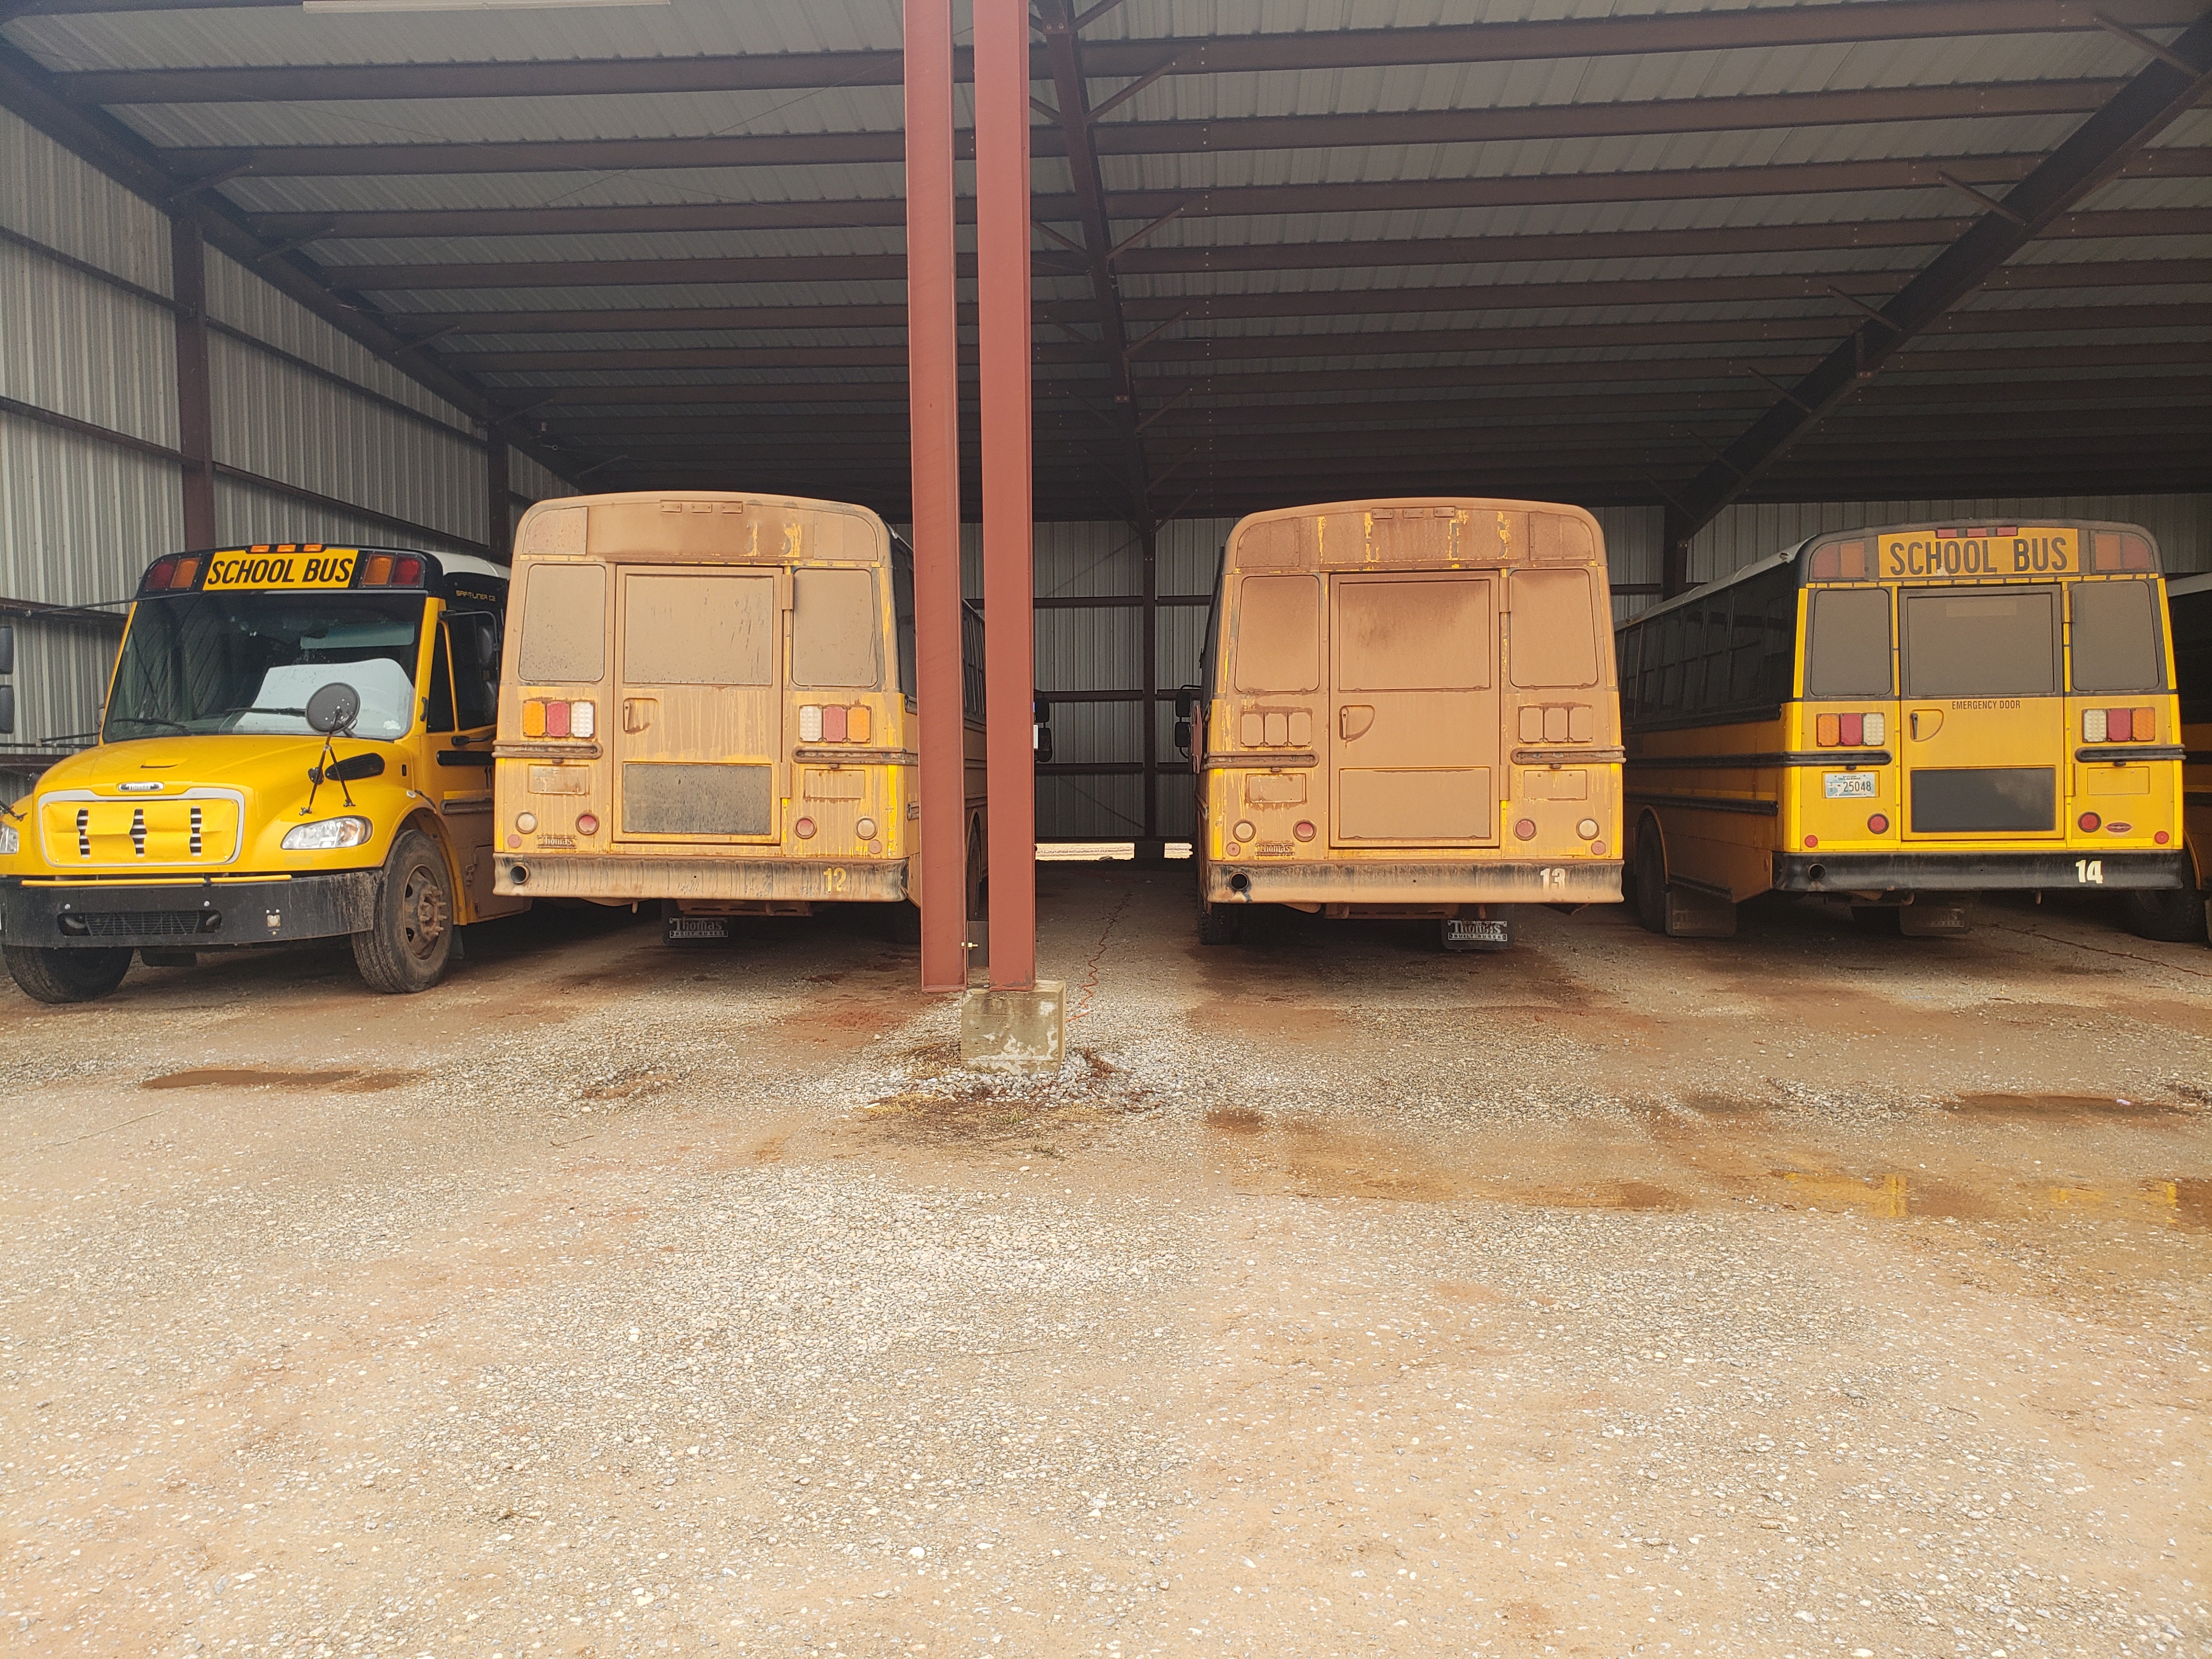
(351, 1081)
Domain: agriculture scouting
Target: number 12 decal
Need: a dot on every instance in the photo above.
(2091, 870)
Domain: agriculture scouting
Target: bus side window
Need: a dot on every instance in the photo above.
(2191, 616)
(834, 625)
(473, 640)
(1670, 657)
(902, 616)
(1625, 668)
(439, 716)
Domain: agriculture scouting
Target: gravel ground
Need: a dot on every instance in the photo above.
(1806, 1294)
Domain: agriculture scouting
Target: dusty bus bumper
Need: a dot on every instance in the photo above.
(724, 876)
(1590, 881)
(1978, 872)
(195, 916)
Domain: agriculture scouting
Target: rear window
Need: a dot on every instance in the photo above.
(1414, 636)
(2114, 635)
(835, 631)
(1847, 643)
(1277, 639)
(564, 623)
(680, 629)
(1554, 628)
(1981, 645)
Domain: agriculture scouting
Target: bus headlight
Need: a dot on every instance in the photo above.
(327, 835)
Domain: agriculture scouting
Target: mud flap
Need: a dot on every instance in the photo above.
(1693, 913)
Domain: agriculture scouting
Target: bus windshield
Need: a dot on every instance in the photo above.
(247, 662)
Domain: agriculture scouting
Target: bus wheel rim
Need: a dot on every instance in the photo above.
(421, 912)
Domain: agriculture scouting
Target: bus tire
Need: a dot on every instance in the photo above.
(410, 943)
(57, 976)
(2174, 915)
(1650, 879)
(1220, 924)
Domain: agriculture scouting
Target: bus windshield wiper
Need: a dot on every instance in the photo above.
(219, 712)
(152, 720)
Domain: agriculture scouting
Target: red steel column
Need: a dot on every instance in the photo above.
(1002, 260)
(933, 416)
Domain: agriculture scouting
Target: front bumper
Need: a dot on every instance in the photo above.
(1460, 881)
(620, 876)
(195, 915)
(1978, 872)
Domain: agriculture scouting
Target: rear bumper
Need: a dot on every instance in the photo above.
(617, 877)
(199, 915)
(1976, 872)
(1590, 881)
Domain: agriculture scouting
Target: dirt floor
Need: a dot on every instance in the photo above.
(1807, 1293)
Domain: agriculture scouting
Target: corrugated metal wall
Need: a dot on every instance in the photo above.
(297, 402)
(526, 478)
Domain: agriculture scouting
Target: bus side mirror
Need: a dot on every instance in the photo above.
(1186, 696)
(1183, 736)
(7, 711)
(7, 648)
(1043, 745)
(1040, 708)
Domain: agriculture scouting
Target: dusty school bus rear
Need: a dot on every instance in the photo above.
(704, 706)
(1409, 711)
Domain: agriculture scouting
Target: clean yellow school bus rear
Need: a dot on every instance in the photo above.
(1904, 717)
(709, 703)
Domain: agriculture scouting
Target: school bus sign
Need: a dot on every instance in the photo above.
(2022, 553)
(320, 567)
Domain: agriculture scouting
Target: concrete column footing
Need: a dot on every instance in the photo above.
(1016, 1031)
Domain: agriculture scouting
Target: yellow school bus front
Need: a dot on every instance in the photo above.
(705, 705)
(1981, 707)
(280, 720)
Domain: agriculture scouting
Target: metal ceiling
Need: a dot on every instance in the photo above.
(1283, 250)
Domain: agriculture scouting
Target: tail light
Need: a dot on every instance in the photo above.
(833, 723)
(559, 717)
(163, 575)
(587, 824)
(2089, 821)
(2118, 725)
(2118, 550)
(1878, 824)
(1525, 830)
(1850, 730)
(1303, 829)
(392, 570)
(804, 829)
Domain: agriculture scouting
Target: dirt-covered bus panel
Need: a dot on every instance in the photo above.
(1903, 716)
(1408, 710)
(711, 703)
(296, 744)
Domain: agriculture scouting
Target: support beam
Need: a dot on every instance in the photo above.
(2096, 152)
(1079, 133)
(1397, 253)
(498, 502)
(1632, 35)
(1004, 349)
(195, 396)
(1386, 196)
(933, 419)
(1513, 124)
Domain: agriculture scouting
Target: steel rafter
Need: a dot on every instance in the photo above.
(2096, 152)
(1064, 55)
(1657, 184)
(1634, 35)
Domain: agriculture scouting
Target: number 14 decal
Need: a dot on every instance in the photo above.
(2091, 870)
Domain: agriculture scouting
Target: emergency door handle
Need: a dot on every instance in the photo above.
(1353, 719)
(637, 712)
(1926, 723)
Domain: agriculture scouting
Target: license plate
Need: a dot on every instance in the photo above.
(1850, 786)
(698, 927)
(1478, 930)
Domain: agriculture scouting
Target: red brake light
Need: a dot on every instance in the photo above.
(407, 572)
(804, 829)
(1525, 828)
(557, 719)
(833, 723)
(1878, 824)
(1854, 727)
(2089, 820)
(587, 824)
(159, 574)
(2119, 726)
